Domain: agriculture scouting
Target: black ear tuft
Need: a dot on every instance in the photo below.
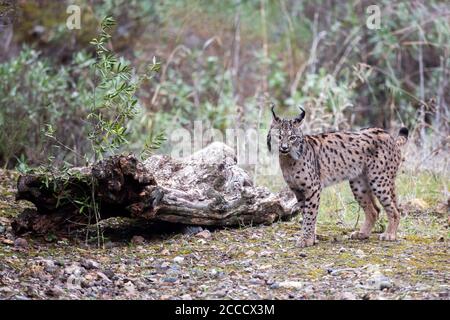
(301, 116)
(275, 117)
(404, 132)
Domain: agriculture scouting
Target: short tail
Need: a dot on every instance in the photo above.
(402, 136)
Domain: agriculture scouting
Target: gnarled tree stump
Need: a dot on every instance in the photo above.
(207, 188)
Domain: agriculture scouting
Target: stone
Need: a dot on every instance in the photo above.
(103, 276)
(291, 284)
(7, 241)
(190, 230)
(89, 264)
(55, 292)
(110, 274)
(137, 240)
(205, 234)
(378, 281)
(129, 288)
(257, 281)
(359, 253)
(220, 293)
(170, 280)
(178, 259)
(347, 296)
(21, 243)
(213, 272)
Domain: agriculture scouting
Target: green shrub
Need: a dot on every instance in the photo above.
(33, 93)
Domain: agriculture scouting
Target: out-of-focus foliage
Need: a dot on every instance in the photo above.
(223, 60)
(35, 92)
(114, 103)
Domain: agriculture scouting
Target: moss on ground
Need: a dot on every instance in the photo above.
(247, 262)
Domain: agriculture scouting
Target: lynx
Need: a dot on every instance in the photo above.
(368, 158)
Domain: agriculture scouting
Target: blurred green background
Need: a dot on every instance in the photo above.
(222, 62)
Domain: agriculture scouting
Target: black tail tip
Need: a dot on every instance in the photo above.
(404, 132)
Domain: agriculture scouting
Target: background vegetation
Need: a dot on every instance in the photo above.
(221, 61)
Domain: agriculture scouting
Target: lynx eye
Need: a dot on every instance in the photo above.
(292, 138)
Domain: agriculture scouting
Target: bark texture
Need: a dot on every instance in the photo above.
(207, 188)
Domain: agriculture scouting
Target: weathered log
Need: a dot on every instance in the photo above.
(207, 188)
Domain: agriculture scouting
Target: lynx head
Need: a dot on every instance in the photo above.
(290, 136)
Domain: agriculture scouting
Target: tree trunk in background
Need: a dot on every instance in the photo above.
(8, 15)
(207, 188)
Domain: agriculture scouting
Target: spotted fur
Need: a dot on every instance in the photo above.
(368, 159)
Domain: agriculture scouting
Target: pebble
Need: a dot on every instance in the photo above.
(49, 265)
(213, 272)
(60, 263)
(190, 230)
(21, 243)
(110, 274)
(55, 292)
(205, 234)
(2, 229)
(130, 288)
(46, 262)
(90, 264)
(31, 292)
(250, 253)
(5, 290)
(7, 241)
(347, 296)
(178, 259)
(360, 253)
(291, 284)
(137, 240)
(220, 293)
(103, 276)
(186, 297)
(173, 270)
(74, 269)
(165, 252)
(378, 281)
(257, 281)
(170, 280)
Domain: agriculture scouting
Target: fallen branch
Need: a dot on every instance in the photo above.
(207, 188)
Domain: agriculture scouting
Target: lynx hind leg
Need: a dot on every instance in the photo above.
(382, 186)
(365, 198)
(395, 200)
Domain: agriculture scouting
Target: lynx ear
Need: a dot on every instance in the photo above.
(301, 116)
(275, 117)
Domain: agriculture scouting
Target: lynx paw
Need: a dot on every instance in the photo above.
(359, 236)
(302, 243)
(388, 237)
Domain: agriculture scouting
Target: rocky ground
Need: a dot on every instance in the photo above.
(259, 262)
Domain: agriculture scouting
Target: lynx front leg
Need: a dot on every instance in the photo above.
(310, 208)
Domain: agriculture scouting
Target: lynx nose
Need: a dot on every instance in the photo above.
(284, 149)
